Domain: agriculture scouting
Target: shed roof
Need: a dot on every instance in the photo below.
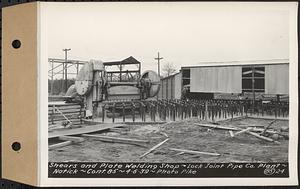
(129, 60)
(239, 63)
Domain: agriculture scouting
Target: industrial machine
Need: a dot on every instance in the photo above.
(95, 86)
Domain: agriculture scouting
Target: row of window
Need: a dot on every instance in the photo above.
(252, 78)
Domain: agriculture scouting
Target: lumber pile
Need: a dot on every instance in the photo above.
(117, 139)
(260, 133)
(67, 114)
(67, 141)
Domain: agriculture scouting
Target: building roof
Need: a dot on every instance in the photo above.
(239, 63)
(129, 60)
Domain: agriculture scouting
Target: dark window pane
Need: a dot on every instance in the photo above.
(258, 75)
(245, 69)
(259, 84)
(185, 81)
(247, 72)
(247, 84)
(259, 72)
(260, 68)
(186, 73)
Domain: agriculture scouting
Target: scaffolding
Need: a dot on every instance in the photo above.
(64, 69)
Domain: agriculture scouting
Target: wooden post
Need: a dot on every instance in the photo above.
(113, 112)
(206, 111)
(133, 112)
(52, 116)
(123, 111)
(276, 105)
(103, 112)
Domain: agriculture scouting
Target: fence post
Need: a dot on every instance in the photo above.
(206, 111)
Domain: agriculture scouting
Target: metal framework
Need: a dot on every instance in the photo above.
(120, 74)
(62, 67)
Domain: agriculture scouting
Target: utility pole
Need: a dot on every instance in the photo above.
(65, 69)
(253, 89)
(158, 62)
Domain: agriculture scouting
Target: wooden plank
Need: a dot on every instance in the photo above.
(165, 134)
(71, 138)
(145, 123)
(68, 116)
(50, 104)
(62, 119)
(242, 131)
(66, 112)
(254, 125)
(65, 108)
(195, 152)
(63, 115)
(153, 148)
(217, 126)
(82, 130)
(269, 118)
(268, 126)
(61, 144)
(267, 131)
(118, 140)
(263, 137)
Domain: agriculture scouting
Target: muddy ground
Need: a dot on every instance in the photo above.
(183, 135)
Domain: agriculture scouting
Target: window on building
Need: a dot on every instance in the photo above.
(253, 72)
(186, 76)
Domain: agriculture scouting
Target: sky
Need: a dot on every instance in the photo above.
(183, 33)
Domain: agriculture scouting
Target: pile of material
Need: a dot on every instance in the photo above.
(191, 140)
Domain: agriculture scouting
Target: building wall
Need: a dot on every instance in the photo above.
(177, 85)
(269, 79)
(227, 79)
(170, 87)
(277, 79)
(216, 79)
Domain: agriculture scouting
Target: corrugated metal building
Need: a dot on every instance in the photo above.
(170, 87)
(264, 77)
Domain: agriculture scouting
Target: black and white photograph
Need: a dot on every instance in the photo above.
(169, 89)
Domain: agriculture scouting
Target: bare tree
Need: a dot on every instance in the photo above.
(168, 69)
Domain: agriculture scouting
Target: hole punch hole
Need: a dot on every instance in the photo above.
(16, 44)
(16, 146)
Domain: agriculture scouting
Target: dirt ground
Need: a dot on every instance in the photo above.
(183, 135)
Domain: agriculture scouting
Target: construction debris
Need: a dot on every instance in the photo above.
(82, 130)
(263, 137)
(243, 131)
(71, 138)
(184, 136)
(61, 144)
(217, 126)
(231, 133)
(165, 134)
(153, 148)
(118, 140)
(268, 126)
(195, 152)
(239, 131)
